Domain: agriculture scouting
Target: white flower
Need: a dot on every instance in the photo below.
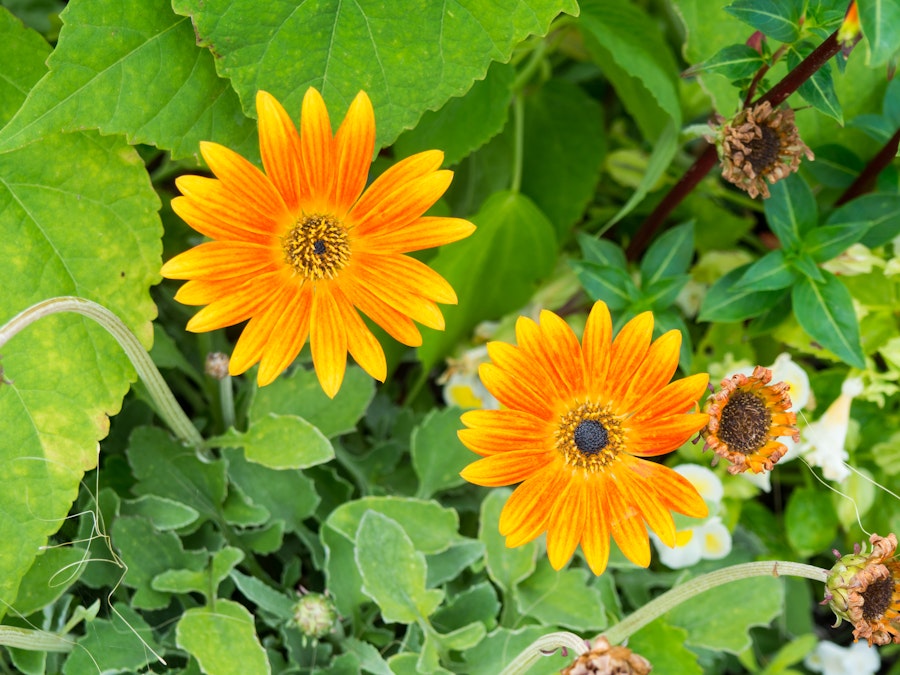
(708, 541)
(823, 440)
(462, 386)
(832, 659)
(786, 370)
(857, 259)
(704, 481)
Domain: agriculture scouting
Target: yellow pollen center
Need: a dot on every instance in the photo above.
(877, 599)
(764, 152)
(589, 436)
(745, 422)
(317, 247)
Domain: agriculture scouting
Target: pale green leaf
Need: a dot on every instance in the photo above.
(501, 646)
(22, 51)
(117, 645)
(264, 596)
(437, 453)
(205, 581)
(52, 573)
(165, 514)
(59, 197)
(562, 598)
(660, 642)
(506, 566)
(825, 311)
(880, 20)
(132, 68)
(393, 571)
(223, 639)
(409, 56)
(279, 442)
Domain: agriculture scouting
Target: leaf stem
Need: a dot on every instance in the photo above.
(518, 142)
(692, 588)
(167, 406)
(226, 401)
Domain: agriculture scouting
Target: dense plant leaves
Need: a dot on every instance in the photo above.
(564, 129)
(52, 573)
(24, 52)
(880, 20)
(299, 393)
(506, 566)
(501, 646)
(463, 124)
(279, 442)
(770, 273)
(203, 582)
(810, 521)
(106, 69)
(561, 598)
(726, 302)
(263, 596)
(825, 311)
(437, 454)
(640, 70)
(494, 271)
(67, 373)
(222, 638)
(825, 242)
(447, 565)
(393, 571)
(791, 211)
(739, 606)
(669, 255)
(611, 284)
(876, 216)
(818, 90)
(736, 62)
(660, 642)
(602, 251)
(836, 166)
(777, 19)
(338, 48)
(115, 645)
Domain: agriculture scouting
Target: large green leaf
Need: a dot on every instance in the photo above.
(116, 645)
(279, 442)
(223, 639)
(506, 566)
(409, 56)
(880, 21)
(791, 211)
(132, 67)
(562, 598)
(437, 453)
(725, 301)
(777, 19)
(495, 271)
(563, 129)
(79, 218)
(825, 311)
(23, 51)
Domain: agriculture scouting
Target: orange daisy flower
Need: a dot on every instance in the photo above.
(299, 249)
(577, 419)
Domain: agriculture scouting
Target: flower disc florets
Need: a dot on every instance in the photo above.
(760, 144)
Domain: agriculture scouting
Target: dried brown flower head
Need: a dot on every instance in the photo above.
(604, 659)
(746, 418)
(760, 144)
(865, 590)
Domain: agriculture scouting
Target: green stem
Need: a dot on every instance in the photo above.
(544, 645)
(34, 640)
(690, 589)
(167, 406)
(518, 143)
(226, 401)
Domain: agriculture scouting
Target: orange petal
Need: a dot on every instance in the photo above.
(288, 336)
(514, 387)
(405, 272)
(205, 291)
(678, 396)
(258, 333)
(674, 490)
(506, 468)
(566, 525)
(629, 349)
(361, 343)
(317, 154)
(527, 511)
(596, 348)
(422, 233)
(627, 525)
(493, 431)
(553, 347)
(218, 221)
(663, 434)
(642, 494)
(355, 145)
(595, 538)
(406, 205)
(327, 340)
(245, 183)
(279, 146)
(219, 260)
(396, 324)
(253, 298)
(655, 371)
(394, 181)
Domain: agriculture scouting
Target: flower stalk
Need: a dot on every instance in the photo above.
(544, 645)
(34, 640)
(167, 407)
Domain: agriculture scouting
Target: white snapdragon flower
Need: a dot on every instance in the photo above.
(462, 386)
(831, 659)
(823, 440)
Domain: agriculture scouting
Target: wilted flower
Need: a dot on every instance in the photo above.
(824, 439)
(864, 589)
(760, 144)
(746, 418)
(604, 659)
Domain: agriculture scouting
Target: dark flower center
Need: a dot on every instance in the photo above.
(744, 423)
(590, 437)
(317, 247)
(764, 152)
(877, 599)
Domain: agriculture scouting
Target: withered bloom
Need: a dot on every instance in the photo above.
(760, 144)
(604, 659)
(746, 418)
(865, 590)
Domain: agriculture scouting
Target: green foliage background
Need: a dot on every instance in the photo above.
(566, 123)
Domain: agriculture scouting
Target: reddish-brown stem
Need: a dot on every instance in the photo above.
(706, 161)
(865, 180)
